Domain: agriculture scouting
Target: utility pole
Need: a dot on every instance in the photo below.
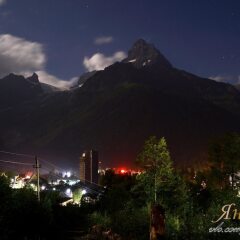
(155, 187)
(37, 166)
(155, 180)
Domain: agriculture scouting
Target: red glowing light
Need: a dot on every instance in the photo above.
(122, 171)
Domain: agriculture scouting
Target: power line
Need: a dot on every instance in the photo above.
(31, 156)
(20, 163)
(17, 154)
(93, 183)
(51, 173)
(53, 165)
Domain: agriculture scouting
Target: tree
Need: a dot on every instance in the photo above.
(155, 160)
(77, 195)
(224, 153)
(163, 184)
(108, 178)
(5, 206)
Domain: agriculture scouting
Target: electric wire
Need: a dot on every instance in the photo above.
(13, 162)
(41, 159)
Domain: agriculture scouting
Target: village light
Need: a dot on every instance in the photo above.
(69, 192)
(238, 195)
(84, 191)
(43, 187)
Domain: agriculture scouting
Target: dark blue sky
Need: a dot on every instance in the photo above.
(200, 36)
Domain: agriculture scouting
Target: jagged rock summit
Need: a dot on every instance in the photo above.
(144, 54)
(34, 78)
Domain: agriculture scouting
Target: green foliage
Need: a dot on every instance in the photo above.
(190, 207)
(155, 155)
(50, 197)
(160, 176)
(132, 223)
(225, 152)
(5, 206)
(77, 195)
(120, 209)
(117, 194)
(108, 178)
(156, 161)
(224, 155)
(102, 219)
(5, 190)
(18, 209)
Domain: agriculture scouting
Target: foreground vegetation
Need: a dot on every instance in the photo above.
(192, 199)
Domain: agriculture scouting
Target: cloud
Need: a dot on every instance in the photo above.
(47, 78)
(103, 40)
(2, 2)
(99, 61)
(20, 56)
(221, 78)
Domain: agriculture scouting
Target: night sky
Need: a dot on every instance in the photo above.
(200, 36)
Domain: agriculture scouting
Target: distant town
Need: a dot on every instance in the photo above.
(72, 187)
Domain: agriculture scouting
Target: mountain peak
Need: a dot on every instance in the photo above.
(140, 42)
(144, 54)
(33, 78)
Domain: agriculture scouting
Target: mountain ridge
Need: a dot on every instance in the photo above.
(116, 109)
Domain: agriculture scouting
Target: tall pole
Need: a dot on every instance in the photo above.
(155, 187)
(155, 182)
(37, 166)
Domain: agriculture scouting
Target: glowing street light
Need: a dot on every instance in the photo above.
(69, 192)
